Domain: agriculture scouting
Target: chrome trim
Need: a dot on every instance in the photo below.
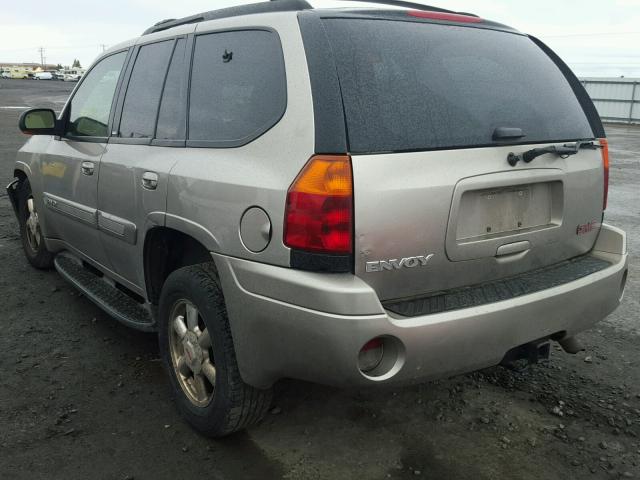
(87, 168)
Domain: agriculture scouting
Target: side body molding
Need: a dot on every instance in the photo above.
(117, 227)
(76, 211)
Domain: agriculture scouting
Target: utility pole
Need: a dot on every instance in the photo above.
(104, 46)
(41, 50)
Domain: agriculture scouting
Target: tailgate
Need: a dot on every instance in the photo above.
(474, 219)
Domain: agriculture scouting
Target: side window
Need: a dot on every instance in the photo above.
(143, 92)
(171, 118)
(91, 104)
(238, 87)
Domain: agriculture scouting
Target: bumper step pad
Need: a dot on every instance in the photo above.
(505, 289)
(113, 301)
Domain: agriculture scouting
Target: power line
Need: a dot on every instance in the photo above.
(64, 47)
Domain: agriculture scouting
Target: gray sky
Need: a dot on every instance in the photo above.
(595, 37)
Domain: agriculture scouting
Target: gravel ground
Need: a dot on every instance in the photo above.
(82, 396)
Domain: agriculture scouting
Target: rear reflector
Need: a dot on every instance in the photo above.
(370, 355)
(605, 164)
(319, 210)
(449, 17)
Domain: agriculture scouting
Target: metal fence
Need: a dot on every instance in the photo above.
(617, 99)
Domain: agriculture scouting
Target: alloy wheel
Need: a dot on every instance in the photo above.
(191, 353)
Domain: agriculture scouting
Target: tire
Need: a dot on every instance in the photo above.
(32, 241)
(232, 405)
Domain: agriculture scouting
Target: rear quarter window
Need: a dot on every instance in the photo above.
(417, 86)
(238, 87)
(171, 117)
(143, 92)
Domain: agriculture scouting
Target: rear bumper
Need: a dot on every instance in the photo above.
(275, 337)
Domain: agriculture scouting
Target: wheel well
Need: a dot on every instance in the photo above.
(166, 250)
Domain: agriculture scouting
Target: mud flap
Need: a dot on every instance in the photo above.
(12, 193)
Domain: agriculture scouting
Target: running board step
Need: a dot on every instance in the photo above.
(97, 289)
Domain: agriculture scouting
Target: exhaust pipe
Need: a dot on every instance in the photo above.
(571, 345)
(519, 358)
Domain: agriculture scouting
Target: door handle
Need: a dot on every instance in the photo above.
(87, 168)
(150, 180)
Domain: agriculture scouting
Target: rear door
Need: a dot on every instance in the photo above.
(432, 112)
(150, 129)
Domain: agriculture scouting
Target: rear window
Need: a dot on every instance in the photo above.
(418, 86)
(238, 87)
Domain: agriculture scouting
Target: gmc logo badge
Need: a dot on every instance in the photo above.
(587, 227)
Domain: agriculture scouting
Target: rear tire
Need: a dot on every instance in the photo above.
(30, 232)
(197, 352)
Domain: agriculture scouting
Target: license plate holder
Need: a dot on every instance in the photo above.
(504, 211)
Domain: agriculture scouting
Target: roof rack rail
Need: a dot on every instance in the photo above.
(262, 7)
(411, 5)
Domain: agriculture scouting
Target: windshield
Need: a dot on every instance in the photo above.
(419, 86)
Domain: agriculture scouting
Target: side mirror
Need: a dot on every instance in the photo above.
(38, 121)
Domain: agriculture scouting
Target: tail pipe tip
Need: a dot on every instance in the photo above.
(571, 345)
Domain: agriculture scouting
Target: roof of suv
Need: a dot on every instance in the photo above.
(249, 9)
(417, 12)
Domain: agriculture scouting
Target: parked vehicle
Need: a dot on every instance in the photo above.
(72, 75)
(5, 74)
(351, 197)
(20, 73)
(42, 76)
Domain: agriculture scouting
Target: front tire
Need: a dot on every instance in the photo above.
(30, 232)
(197, 352)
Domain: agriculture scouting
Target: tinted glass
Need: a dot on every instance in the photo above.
(414, 86)
(91, 104)
(238, 86)
(143, 92)
(171, 119)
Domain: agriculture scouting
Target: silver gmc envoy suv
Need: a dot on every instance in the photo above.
(359, 196)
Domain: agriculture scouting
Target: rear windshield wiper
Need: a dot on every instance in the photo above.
(562, 151)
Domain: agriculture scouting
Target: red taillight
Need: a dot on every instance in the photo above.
(449, 17)
(605, 164)
(319, 210)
